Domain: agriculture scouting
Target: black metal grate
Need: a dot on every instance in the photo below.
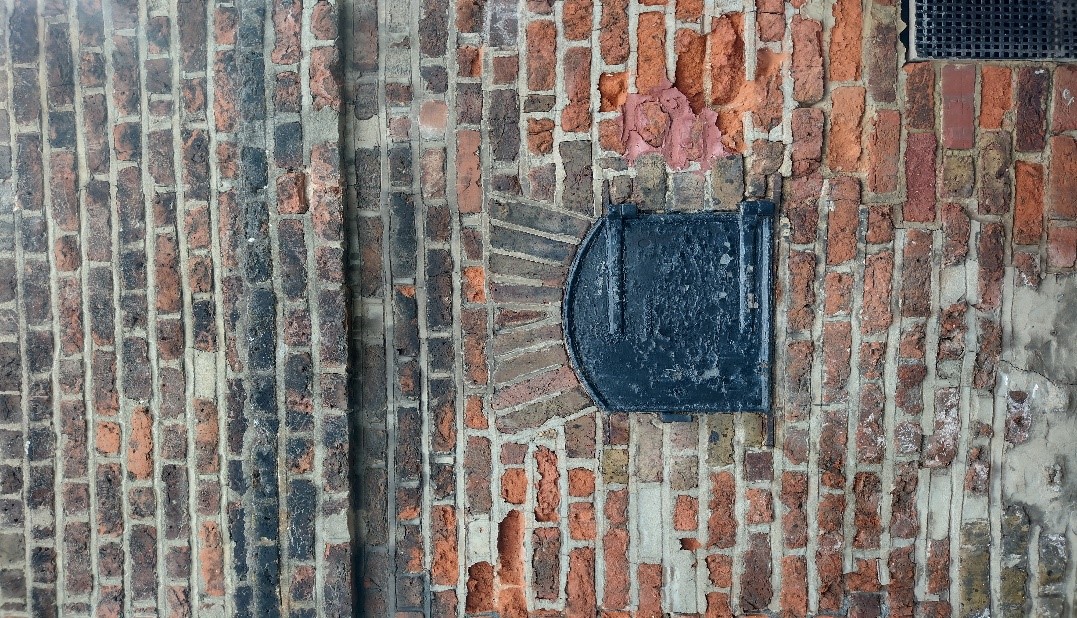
(995, 29)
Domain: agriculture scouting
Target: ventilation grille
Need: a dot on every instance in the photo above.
(995, 29)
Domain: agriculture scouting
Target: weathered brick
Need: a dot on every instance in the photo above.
(958, 105)
(807, 60)
(1062, 184)
(1031, 116)
(920, 177)
(845, 39)
(883, 144)
(920, 95)
(996, 95)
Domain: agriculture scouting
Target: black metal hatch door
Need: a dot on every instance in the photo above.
(672, 312)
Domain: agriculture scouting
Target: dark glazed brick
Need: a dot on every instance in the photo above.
(59, 69)
(433, 28)
(22, 31)
(504, 124)
(402, 235)
(288, 145)
(191, 21)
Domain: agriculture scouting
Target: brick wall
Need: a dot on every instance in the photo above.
(195, 196)
(172, 326)
(924, 311)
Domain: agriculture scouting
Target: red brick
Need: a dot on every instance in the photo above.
(920, 178)
(916, 275)
(1062, 190)
(445, 555)
(771, 26)
(842, 220)
(902, 581)
(760, 509)
(1061, 246)
(140, 445)
(869, 432)
(794, 592)
(1064, 117)
(832, 448)
(838, 288)
(994, 170)
(794, 495)
(904, 520)
(831, 584)
(875, 314)
(802, 208)
(727, 58)
(613, 32)
(581, 521)
(651, 55)
(883, 144)
(547, 492)
(958, 105)
(807, 150)
(691, 50)
(1028, 205)
(577, 115)
(650, 590)
(541, 55)
(615, 557)
(799, 393)
(718, 605)
(580, 588)
(801, 281)
(685, 511)
(468, 171)
(1027, 265)
(845, 39)
(576, 18)
(807, 60)
(996, 95)
(287, 27)
(843, 150)
(882, 58)
(689, 10)
(722, 524)
(1031, 116)
(868, 490)
(920, 95)
(546, 563)
(755, 588)
(955, 230)
(938, 566)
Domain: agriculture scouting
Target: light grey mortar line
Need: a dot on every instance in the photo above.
(571, 240)
(811, 504)
(220, 331)
(389, 323)
(704, 584)
(671, 39)
(567, 542)
(631, 520)
(666, 521)
(88, 346)
(779, 398)
(740, 510)
(1034, 566)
